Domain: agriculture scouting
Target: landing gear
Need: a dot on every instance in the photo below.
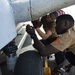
(10, 52)
(29, 63)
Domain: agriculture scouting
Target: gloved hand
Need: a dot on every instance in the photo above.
(30, 30)
(35, 23)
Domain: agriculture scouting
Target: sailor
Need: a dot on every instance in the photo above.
(65, 27)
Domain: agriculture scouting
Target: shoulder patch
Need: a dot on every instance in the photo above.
(56, 41)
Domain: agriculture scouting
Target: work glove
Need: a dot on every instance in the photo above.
(35, 23)
(30, 30)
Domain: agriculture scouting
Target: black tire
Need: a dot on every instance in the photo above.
(29, 63)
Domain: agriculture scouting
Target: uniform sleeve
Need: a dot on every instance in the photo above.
(62, 42)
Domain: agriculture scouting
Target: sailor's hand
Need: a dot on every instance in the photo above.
(30, 30)
(35, 23)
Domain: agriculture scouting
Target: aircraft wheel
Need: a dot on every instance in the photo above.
(29, 63)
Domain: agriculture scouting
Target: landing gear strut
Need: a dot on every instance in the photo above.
(10, 51)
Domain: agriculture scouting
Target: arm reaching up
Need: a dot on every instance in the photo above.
(42, 49)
